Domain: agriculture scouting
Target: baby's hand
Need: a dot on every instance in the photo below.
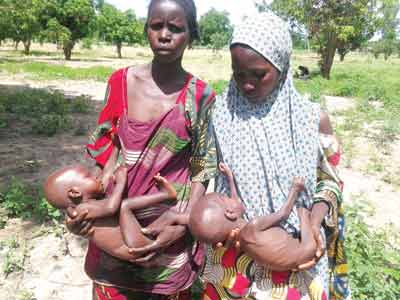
(225, 170)
(82, 209)
(165, 186)
(121, 174)
(298, 184)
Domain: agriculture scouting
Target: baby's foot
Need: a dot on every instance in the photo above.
(224, 169)
(164, 186)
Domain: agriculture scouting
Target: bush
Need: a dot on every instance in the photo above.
(374, 258)
(47, 113)
(50, 124)
(80, 104)
(23, 201)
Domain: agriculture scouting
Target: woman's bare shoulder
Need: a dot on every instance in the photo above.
(139, 72)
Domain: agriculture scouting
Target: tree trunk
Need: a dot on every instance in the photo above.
(68, 46)
(16, 45)
(119, 48)
(27, 47)
(327, 56)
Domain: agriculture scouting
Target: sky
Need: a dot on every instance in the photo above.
(236, 8)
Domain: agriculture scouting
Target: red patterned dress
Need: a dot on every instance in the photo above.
(180, 146)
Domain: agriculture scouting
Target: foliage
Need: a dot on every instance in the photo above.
(14, 259)
(68, 21)
(118, 27)
(219, 40)
(332, 24)
(22, 201)
(213, 25)
(388, 24)
(22, 20)
(43, 112)
(374, 257)
(219, 86)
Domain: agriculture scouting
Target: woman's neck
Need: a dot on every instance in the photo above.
(163, 73)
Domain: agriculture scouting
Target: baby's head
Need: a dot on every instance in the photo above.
(70, 186)
(208, 220)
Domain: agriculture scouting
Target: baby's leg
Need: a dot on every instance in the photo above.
(308, 245)
(130, 227)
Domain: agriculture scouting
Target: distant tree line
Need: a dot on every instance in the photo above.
(66, 22)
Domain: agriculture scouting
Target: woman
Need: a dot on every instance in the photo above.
(157, 117)
(267, 134)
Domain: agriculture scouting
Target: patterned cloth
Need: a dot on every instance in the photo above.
(180, 146)
(103, 292)
(266, 145)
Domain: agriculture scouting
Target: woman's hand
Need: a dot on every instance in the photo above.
(76, 223)
(232, 240)
(167, 236)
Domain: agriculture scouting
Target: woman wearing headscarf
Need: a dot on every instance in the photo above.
(267, 134)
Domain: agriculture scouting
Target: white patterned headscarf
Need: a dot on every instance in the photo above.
(267, 144)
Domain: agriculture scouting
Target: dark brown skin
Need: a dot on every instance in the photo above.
(152, 90)
(262, 238)
(256, 78)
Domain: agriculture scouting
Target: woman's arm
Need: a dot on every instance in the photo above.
(327, 197)
(101, 147)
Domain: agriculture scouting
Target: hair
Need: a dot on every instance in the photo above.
(190, 10)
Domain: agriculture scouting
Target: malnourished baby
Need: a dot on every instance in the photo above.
(75, 187)
(212, 219)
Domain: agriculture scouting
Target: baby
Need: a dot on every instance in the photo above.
(75, 187)
(211, 220)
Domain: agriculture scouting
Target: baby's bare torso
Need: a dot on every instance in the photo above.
(273, 248)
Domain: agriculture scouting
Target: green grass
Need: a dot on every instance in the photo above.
(46, 71)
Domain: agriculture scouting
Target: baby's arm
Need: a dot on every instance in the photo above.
(235, 208)
(109, 206)
(130, 227)
(264, 222)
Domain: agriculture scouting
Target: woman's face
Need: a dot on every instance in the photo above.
(256, 77)
(167, 31)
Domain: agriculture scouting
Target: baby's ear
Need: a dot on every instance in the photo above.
(74, 194)
(232, 214)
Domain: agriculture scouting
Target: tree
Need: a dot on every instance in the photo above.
(68, 21)
(117, 27)
(22, 17)
(4, 21)
(388, 26)
(331, 24)
(215, 22)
